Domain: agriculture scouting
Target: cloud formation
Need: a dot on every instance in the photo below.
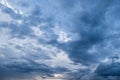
(51, 38)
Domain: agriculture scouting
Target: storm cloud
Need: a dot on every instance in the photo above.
(67, 39)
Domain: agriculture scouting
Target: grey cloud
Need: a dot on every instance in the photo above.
(90, 26)
(111, 69)
(106, 70)
(94, 21)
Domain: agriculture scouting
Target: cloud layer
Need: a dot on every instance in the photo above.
(71, 39)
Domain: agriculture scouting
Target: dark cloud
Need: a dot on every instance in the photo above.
(105, 71)
(109, 68)
(95, 21)
(16, 69)
(91, 27)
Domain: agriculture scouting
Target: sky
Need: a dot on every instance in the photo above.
(65, 39)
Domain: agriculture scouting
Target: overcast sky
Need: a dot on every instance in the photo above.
(71, 39)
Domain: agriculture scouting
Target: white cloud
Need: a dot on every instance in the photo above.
(64, 35)
(5, 17)
(5, 3)
(4, 37)
(37, 31)
(29, 46)
(61, 59)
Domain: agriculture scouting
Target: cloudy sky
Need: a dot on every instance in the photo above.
(66, 39)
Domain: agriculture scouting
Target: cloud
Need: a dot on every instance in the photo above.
(23, 52)
(62, 37)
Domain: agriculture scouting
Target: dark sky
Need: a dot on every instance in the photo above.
(71, 39)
